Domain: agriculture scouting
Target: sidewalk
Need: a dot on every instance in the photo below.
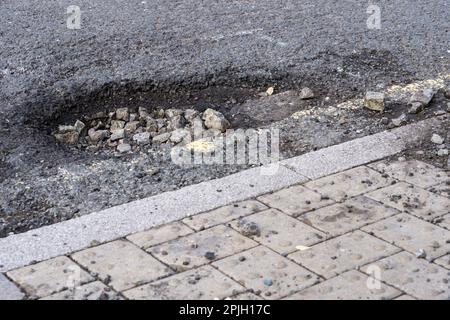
(377, 231)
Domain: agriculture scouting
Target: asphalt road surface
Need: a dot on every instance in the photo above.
(132, 47)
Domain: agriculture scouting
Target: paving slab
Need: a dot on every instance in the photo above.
(280, 232)
(121, 264)
(90, 291)
(47, 277)
(412, 199)
(224, 214)
(343, 253)
(443, 261)
(266, 272)
(160, 234)
(204, 283)
(351, 285)
(245, 296)
(442, 189)
(416, 277)
(443, 221)
(350, 215)
(412, 234)
(412, 171)
(8, 290)
(350, 183)
(405, 297)
(295, 200)
(201, 248)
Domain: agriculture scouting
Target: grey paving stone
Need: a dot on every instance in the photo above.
(263, 270)
(91, 291)
(47, 277)
(442, 189)
(351, 285)
(443, 261)
(444, 221)
(295, 200)
(8, 290)
(223, 214)
(245, 296)
(405, 297)
(121, 264)
(412, 171)
(416, 277)
(201, 248)
(415, 200)
(280, 232)
(412, 234)
(204, 283)
(160, 234)
(350, 183)
(350, 215)
(343, 253)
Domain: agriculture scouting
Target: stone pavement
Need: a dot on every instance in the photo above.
(376, 231)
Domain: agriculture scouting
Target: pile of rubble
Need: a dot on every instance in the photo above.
(126, 130)
(417, 103)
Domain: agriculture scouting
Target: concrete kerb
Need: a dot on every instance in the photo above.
(116, 222)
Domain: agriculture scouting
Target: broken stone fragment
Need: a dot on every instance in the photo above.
(416, 107)
(134, 117)
(123, 114)
(132, 126)
(124, 147)
(161, 138)
(178, 135)
(65, 128)
(98, 115)
(117, 135)
(79, 126)
(374, 101)
(70, 137)
(215, 120)
(306, 93)
(117, 124)
(142, 138)
(97, 135)
(437, 139)
(176, 122)
(403, 119)
(442, 152)
(170, 113)
(151, 125)
(424, 97)
(190, 115)
(447, 91)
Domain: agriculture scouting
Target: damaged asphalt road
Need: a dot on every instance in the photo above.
(139, 52)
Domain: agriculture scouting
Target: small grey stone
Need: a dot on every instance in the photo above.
(134, 117)
(79, 126)
(142, 138)
(171, 113)
(400, 120)
(151, 125)
(132, 126)
(421, 254)
(123, 114)
(161, 138)
(424, 97)
(306, 93)
(437, 139)
(143, 112)
(70, 137)
(117, 124)
(215, 120)
(416, 107)
(190, 115)
(210, 255)
(248, 228)
(447, 92)
(442, 152)
(97, 135)
(268, 282)
(124, 147)
(178, 135)
(176, 122)
(117, 135)
(65, 128)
